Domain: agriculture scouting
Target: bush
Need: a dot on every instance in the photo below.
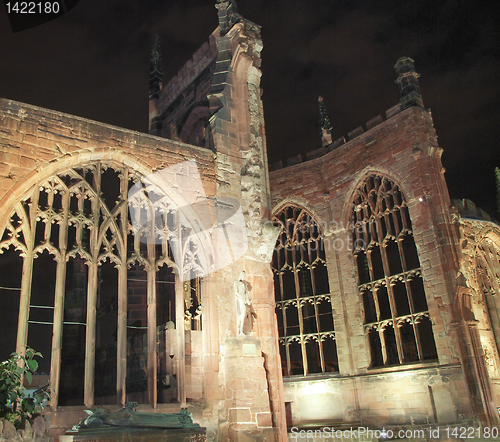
(14, 405)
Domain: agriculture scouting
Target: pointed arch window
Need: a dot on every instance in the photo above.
(302, 294)
(107, 311)
(396, 316)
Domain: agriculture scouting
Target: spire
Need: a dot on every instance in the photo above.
(228, 15)
(408, 83)
(155, 71)
(325, 127)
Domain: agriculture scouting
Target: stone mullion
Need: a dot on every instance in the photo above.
(365, 233)
(90, 337)
(288, 360)
(299, 311)
(285, 334)
(414, 324)
(410, 301)
(151, 315)
(402, 258)
(418, 341)
(398, 228)
(405, 214)
(390, 294)
(181, 346)
(397, 333)
(374, 292)
(24, 303)
(26, 279)
(280, 276)
(382, 344)
(121, 351)
(318, 329)
(285, 325)
(50, 199)
(311, 270)
(321, 353)
(55, 363)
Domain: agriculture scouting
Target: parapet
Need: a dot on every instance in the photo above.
(370, 124)
(201, 59)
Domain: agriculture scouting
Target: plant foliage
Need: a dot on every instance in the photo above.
(14, 405)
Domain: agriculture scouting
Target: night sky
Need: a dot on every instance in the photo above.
(93, 62)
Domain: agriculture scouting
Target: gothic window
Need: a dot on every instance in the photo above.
(396, 316)
(302, 293)
(105, 309)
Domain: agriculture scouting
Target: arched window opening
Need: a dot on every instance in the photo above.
(11, 267)
(302, 293)
(390, 284)
(71, 386)
(41, 312)
(105, 309)
(106, 334)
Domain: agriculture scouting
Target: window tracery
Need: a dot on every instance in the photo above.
(105, 308)
(303, 302)
(397, 321)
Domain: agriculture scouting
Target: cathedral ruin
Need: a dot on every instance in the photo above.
(178, 269)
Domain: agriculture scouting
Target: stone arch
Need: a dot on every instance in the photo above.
(300, 202)
(45, 171)
(194, 128)
(94, 232)
(389, 173)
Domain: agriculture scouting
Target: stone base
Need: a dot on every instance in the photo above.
(247, 397)
(136, 435)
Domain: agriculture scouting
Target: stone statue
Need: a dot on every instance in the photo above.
(127, 417)
(242, 303)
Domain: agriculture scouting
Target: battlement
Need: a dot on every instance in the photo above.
(370, 124)
(467, 209)
(201, 59)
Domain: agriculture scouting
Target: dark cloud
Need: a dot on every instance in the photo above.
(93, 62)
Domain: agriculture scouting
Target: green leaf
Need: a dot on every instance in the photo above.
(32, 364)
(28, 405)
(29, 376)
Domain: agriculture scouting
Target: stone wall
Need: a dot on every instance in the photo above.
(403, 148)
(181, 109)
(35, 142)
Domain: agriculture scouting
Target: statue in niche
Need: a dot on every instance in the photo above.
(244, 309)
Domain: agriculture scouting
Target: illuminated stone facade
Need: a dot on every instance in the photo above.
(373, 299)
(413, 280)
